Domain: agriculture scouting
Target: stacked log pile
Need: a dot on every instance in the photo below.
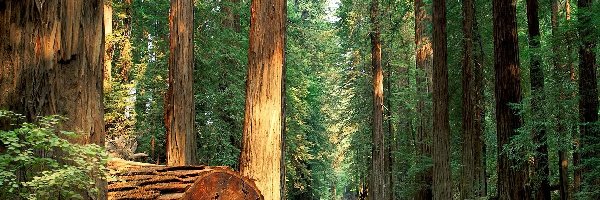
(141, 181)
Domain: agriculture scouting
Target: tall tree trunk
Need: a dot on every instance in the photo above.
(423, 63)
(179, 100)
(377, 186)
(588, 99)
(472, 176)
(52, 63)
(262, 143)
(442, 185)
(511, 174)
(541, 184)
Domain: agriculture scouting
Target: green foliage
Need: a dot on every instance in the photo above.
(149, 35)
(36, 162)
(220, 53)
(328, 89)
(310, 69)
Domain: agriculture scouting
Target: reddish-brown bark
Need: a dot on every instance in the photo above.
(377, 185)
(512, 175)
(442, 185)
(472, 174)
(179, 100)
(51, 63)
(262, 143)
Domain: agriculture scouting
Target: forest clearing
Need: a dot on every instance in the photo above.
(299, 99)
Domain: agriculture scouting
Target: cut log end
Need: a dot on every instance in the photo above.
(146, 181)
(222, 184)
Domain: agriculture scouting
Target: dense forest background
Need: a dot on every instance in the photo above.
(436, 119)
(328, 89)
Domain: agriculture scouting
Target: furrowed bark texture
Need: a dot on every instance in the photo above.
(179, 100)
(442, 185)
(511, 174)
(472, 174)
(262, 143)
(51, 58)
(377, 186)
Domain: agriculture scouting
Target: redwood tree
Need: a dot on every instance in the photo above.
(51, 58)
(262, 140)
(377, 186)
(472, 174)
(442, 185)
(511, 173)
(179, 100)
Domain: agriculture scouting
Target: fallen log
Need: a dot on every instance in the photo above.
(142, 181)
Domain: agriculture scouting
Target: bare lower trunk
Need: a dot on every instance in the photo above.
(442, 185)
(377, 185)
(262, 143)
(472, 176)
(179, 100)
(512, 175)
(51, 58)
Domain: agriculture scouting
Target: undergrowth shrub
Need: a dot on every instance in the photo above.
(38, 162)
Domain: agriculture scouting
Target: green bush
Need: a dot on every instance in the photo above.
(38, 162)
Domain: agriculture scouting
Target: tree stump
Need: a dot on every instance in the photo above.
(141, 181)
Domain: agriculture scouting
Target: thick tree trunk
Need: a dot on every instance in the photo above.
(51, 58)
(179, 100)
(541, 184)
(442, 185)
(377, 186)
(588, 100)
(423, 63)
(512, 175)
(262, 147)
(472, 176)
